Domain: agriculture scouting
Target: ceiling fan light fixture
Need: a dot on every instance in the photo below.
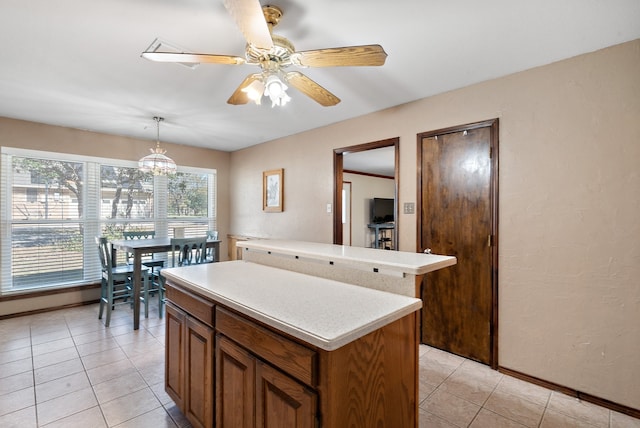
(276, 90)
(157, 162)
(255, 91)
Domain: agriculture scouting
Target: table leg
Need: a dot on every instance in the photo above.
(137, 285)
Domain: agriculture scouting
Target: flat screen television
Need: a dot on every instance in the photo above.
(382, 210)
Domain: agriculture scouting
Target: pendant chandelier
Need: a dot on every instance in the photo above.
(157, 162)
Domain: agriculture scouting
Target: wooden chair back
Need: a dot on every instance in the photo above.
(188, 251)
(105, 254)
(139, 234)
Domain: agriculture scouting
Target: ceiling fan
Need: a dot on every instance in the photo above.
(273, 54)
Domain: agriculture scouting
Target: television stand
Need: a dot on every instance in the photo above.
(380, 234)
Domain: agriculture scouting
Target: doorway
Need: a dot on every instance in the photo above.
(457, 202)
(366, 151)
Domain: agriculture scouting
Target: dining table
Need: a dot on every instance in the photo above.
(138, 247)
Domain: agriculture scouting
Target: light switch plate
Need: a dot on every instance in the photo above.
(409, 208)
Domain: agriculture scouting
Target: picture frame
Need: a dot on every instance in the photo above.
(272, 190)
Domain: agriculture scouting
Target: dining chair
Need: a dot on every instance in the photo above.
(147, 259)
(117, 282)
(184, 252)
(212, 256)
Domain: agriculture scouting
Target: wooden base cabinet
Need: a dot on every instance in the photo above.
(250, 390)
(174, 354)
(265, 378)
(189, 365)
(250, 393)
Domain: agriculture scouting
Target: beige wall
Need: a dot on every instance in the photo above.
(36, 136)
(363, 189)
(569, 265)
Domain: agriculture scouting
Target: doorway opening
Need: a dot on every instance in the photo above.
(376, 160)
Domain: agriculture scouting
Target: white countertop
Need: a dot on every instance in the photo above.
(371, 258)
(322, 312)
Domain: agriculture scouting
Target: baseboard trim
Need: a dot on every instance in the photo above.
(572, 392)
(46, 292)
(43, 310)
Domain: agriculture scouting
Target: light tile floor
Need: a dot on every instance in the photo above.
(65, 369)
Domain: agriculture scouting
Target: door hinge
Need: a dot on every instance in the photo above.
(490, 152)
(489, 240)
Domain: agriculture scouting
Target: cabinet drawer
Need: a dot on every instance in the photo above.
(292, 358)
(195, 306)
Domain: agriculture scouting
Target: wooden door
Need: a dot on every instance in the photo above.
(281, 402)
(174, 354)
(198, 403)
(235, 385)
(459, 218)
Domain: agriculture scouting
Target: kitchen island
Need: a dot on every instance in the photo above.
(248, 344)
(252, 345)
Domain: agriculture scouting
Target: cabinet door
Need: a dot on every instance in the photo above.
(235, 385)
(198, 402)
(174, 354)
(281, 401)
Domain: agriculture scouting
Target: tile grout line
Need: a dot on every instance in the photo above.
(33, 376)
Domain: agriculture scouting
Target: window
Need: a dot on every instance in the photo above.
(53, 208)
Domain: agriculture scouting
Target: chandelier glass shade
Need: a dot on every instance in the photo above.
(157, 162)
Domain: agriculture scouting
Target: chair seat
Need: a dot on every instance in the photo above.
(123, 270)
(153, 263)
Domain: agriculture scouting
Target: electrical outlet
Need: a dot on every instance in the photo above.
(409, 208)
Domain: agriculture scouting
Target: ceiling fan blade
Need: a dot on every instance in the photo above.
(240, 96)
(192, 58)
(367, 55)
(311, 89)
(250, 19)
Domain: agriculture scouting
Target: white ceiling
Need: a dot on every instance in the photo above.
(77, 63)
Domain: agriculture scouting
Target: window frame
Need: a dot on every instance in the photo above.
(91, 218)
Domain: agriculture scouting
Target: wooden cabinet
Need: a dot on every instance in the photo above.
(198, 376)
(189, 365)
(235, 383)
(252, 393)
(267, 378)
(174, 354)
(281, 401)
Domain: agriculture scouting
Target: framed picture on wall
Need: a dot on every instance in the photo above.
(272, 190)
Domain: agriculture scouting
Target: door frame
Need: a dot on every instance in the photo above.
(493, 196)
(338, 175)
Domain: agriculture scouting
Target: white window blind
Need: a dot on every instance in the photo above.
(54, 205)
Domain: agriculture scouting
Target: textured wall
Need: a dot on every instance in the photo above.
(569, 203)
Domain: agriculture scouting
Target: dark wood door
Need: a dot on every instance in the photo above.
(458, 219)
